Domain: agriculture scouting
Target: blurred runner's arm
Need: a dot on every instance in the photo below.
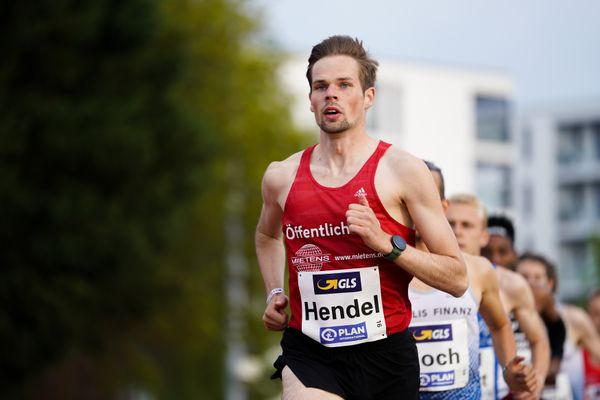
(534, 329)
(518, 376)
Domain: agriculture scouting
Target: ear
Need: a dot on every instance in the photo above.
(484, 239)
(552, 285)
(445, 205)
(369, 97)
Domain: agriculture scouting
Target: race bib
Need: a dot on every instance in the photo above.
(502, 386)
(342, 307)
(443, 354)
(487, 373)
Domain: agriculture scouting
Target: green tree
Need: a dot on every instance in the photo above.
(98, 164)
(125, 127)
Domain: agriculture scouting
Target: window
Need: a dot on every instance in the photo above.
(526, 144)
(597, 199)
(493, 182)
(573, 269)
(596, 138)
(492, 119)
(527, 201)
(570, 144)
(571, 202)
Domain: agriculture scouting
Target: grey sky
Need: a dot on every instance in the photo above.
(551, 48)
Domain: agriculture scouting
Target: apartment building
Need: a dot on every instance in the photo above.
(557, 189)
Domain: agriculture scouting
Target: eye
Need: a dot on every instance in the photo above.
(345, 85)
(320, 87)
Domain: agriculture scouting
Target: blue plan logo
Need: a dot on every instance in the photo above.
(433, 379)
(343, 333)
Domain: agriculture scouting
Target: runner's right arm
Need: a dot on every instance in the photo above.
(587, 336)
(269, 245)
(532, 326)
(518, 376)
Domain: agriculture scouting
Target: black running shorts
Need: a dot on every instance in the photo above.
(380, 370)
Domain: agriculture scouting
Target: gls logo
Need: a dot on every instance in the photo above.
(432, 333)
(337, 283)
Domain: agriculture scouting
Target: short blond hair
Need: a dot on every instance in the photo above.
(470, 200)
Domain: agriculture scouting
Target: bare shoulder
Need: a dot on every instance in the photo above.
(578, 323)
(409, 171)
(403, 163)
(573, 314)
(512, 282)
(516, 288)
(482, 278)
(278, 177)
(479, 268)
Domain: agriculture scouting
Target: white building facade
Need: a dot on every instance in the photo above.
(557, 190)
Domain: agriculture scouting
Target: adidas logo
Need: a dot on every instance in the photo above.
(360, 192)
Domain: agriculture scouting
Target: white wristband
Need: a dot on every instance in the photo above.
(273, 292)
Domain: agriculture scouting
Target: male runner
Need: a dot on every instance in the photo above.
(447, 330)
(582, 341)
(581, 336)
(542, 278)
(341, 213)
(467, 217)
(531, 340)
(500, 248)
(591, 363)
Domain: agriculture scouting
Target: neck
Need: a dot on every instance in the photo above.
(339, 150)
(344, 142)
(473, 252)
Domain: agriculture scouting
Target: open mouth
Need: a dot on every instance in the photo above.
(331, 111)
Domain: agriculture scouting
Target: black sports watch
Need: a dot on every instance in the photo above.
(398, 246)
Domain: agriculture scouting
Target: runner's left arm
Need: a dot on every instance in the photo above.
(533, 327)
(443, 266)
(590, 339)
(518, 376)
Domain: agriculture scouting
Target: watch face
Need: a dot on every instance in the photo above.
(399, 242)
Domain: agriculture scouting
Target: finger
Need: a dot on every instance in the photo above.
(275, 327)
(517, 359)
(356, 207)
(356, 214)
(363, 200)
(276, 309)
(274, 319)
(280, 303)
(357, 221)
(532, 382)
(357, 229)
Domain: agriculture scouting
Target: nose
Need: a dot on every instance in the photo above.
(331, 93)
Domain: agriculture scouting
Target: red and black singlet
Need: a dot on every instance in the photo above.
(318, 243)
